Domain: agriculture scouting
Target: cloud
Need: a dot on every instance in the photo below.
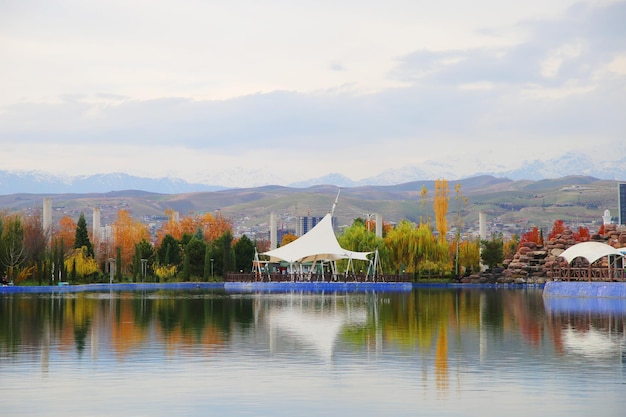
(561, 85)
(572, 47)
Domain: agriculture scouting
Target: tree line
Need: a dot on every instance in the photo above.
(201, 247)
(194, 248)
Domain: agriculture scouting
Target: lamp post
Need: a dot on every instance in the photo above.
(111, 269)
(144, 269)
(456, 258)
(368, 218)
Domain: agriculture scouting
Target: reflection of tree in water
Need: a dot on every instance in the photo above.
(193, 314)
(80, 310)
(426, 320)
(142, 311)
(80, 335)
(441, 359)
(39, 319)
(66, 320)
(525, 309)
(168, 315)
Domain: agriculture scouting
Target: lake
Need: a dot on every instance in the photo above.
(449, 351)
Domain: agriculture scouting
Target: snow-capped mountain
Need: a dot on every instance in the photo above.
(36, 182)
(568, 164)
(14, 182)
(336, 179)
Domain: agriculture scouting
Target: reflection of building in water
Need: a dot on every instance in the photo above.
(316, 331)
(313, 322)
(591, 327)
(592, 343)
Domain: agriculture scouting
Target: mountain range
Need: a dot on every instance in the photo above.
(12, 182)
(511, 206)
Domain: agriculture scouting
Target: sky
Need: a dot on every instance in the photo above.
(244, 93)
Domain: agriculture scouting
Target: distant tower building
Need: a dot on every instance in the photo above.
(306, 223)
(482, 231)
(379, 225)
(273, 232)
(482, 225)
(606, 219)
(621, 202)
(95, 231)
(47, 215)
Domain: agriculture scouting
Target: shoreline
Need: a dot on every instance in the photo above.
(550, 289)
(256, 286)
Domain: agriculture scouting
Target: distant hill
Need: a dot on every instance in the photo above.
(511, 206)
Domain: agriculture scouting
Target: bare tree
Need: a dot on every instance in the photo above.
(12, 254)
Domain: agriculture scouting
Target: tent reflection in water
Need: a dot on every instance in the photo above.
(316, 327)
(318, 245)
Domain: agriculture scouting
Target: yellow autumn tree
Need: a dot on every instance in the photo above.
(469, 255)
(461, 203)
(164, 272)
(288, 238)
(423, 195)
(127, 233)
(400, 244)
(440, 206)
(79, 258)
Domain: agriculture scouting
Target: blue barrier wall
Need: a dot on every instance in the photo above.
(316, 286)
(109, 287)
(228, 286)
(584, 289)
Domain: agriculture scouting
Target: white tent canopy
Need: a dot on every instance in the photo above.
(318, 244)
(591, 251)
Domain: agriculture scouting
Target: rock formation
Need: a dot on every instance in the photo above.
(533, 263)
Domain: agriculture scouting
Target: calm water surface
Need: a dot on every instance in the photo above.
(444, 352)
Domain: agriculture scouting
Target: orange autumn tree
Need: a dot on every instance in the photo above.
(533, 235)
(440, 206)
(189, 225)
(582, 235)
(127, 233)
(557, 228)
(212, 227)
(65, 235)
(172, 227)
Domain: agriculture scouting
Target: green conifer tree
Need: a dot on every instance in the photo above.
(82, 236)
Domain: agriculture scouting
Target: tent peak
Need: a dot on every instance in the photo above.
(332, 210)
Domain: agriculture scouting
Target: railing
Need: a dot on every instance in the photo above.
(589, 274)
(255, 277)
